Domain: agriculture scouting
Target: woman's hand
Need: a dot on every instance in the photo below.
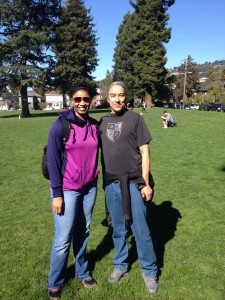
(57, 205)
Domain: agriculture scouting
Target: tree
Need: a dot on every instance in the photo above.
(103, 84)
(140, 43)
(75, 46)
(223, 77)
(186, 80)
(123, 55)
(215, 84)
(26, 33)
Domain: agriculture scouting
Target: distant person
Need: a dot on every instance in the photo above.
(168, 119)
(126, 164)
(143, 107)
(73, 188)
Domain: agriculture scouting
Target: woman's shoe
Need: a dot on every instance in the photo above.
(89, 282)
(54, 294)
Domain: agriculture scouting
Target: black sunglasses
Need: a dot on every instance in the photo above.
(79, 99)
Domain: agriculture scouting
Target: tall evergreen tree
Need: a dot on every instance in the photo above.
(75, 46)
(146, 39)
(123, 55)
(103, 84)
(25, 35)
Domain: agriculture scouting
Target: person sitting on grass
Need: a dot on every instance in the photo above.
(168, 119)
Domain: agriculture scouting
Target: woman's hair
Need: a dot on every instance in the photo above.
(85, 86)
(120, 83)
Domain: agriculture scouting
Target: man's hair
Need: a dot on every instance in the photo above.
(85, 86)
(120, 83)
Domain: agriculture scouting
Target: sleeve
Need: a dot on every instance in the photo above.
(143, 134)
(54, 154)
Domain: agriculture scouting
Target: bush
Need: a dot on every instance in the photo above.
(42, 105)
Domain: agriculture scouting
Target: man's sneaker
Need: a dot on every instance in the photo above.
(151, 284)
(116, 276)
(54, 294)
(89, 282)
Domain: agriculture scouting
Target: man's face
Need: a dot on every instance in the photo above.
(116, 98)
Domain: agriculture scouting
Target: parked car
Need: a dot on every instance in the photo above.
(218, 107)
(186, 106)
(137, 105)
(205, 107)
(202, 107)
(64, 108)
(194, 106)
(49, 108)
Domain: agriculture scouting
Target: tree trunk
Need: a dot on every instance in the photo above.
(24, 102)
(64, 100)
(148, 99)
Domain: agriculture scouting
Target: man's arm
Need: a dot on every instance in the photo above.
(146, 192)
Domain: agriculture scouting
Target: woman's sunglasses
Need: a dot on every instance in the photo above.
(79, 99)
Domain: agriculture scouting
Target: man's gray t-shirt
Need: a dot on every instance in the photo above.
(121, 136)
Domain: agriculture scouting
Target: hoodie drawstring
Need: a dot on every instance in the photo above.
(74, 134)
(88, 127)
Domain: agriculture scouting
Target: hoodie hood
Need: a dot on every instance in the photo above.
(72, 117)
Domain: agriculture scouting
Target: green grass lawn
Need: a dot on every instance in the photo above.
(187, 216)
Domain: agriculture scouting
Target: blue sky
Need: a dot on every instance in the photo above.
(198, 29)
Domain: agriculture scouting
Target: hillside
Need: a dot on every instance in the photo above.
(206, 68)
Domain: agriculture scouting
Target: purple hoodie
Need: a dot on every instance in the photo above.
(79, 166)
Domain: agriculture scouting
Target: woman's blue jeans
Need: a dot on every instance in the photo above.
(72, 225)
(139, 226)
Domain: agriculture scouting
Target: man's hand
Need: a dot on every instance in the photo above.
(146, 193)
(57, 205)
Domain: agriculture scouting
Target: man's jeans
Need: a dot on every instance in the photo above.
(139, 226)
(72, 225)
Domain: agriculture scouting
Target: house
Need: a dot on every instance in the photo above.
(203, 90)
(56, 100)
(4, 104)
(6, 101)
(33, 99)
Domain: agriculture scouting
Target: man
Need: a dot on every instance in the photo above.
(168, 119)
(126, 161)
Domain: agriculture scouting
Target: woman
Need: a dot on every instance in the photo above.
(73, 182)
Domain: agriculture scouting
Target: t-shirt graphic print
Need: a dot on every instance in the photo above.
(114, 130)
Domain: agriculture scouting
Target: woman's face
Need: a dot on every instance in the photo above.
(81, 102)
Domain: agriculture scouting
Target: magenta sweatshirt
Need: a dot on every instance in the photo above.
(79, 165)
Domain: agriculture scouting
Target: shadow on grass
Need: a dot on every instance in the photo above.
(223, 169)
(105, 246)
(40, 114)
(162, 221)
(10, 116)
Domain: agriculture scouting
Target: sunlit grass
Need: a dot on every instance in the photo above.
(186, 217)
